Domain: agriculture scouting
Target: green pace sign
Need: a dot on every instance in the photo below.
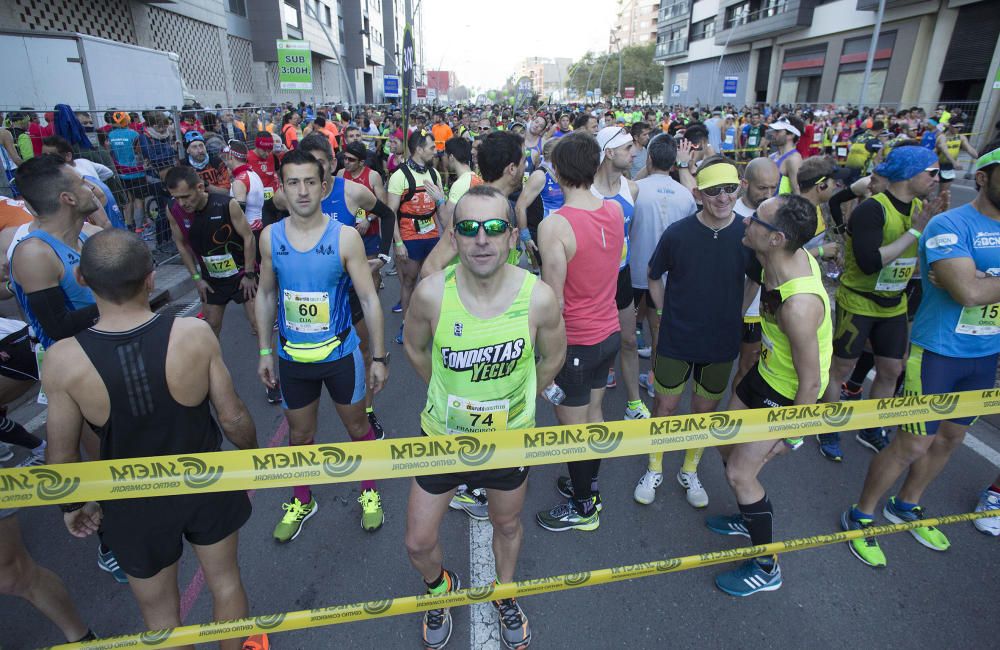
(294, 65)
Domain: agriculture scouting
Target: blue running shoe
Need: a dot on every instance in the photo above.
(399, 337)
(829, 446)
(108, 562)
(731, 525)
(397, 308)
(749, 578)
(875, 439)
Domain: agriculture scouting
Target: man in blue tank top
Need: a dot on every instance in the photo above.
(43, 265)
(308, 261)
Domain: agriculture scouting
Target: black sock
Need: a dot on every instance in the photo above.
(861, 369)
(594, 489)
(899, 383)
(758, 518)
(89, 636)
(436, 583)
(586, 506)
(15, 434)
(104, 549)
(582, 474)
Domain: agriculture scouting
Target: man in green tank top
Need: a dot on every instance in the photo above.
(880, 257)
(796, 336)
(473, 332)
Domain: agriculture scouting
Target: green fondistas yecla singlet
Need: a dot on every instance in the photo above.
(861, 293)
(482, 371)
(776, 364)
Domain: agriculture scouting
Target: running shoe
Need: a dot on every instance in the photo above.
(257, 642)
(611, 378)
(35, 458)
(636, 412)
(829, 446)
(514, 630)
(988, 500)
(392, 270)
(929, 536)
(731, 525)
(398, 308)
(565, 516)
(697, 497)
(473, 502)
(372, 516)
(865, 549)
(848, 395)
(645, 490)
(565, 486)
(644, 382)
(399, 337)
(749, 578)
(296, 514)
(437, 622)
(273, 394)
(375, 425)
(6, 452)
(646, 352)
(875, 439)
(108, 562)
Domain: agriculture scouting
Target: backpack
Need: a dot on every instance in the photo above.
(411, 182)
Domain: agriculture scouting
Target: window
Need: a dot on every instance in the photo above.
(292, 17)
(326, 16)
(238, 7)
(703, 29)
(737, 14)
(848, 88)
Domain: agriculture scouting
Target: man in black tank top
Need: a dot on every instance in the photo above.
(218, 248)
(145, 382)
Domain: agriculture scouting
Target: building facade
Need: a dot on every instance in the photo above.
(814, 52)
(227, 48)
(547, 76)
(635, 22)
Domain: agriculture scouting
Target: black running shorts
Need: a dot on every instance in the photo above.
(758, 394)
(586, 369)
(17, 359)
(889, 336)
(492, 479)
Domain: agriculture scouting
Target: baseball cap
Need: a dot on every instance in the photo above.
(357, 150)
(192, 136)
(838, 174)
(612, 137)
(782, 125)
(264, 141)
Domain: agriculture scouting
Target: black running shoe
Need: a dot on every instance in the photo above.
(376, 426)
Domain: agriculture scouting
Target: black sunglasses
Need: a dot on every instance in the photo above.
(718, 189)
(350, 159)
(493, 227)
(755, 219)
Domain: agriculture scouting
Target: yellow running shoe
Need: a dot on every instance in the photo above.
(372, 516)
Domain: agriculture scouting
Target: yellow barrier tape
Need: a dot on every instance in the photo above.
(336, 614)
(400, 458)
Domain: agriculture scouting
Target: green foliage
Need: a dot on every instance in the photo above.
(638, 70)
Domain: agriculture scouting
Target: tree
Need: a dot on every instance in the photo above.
(601, 70)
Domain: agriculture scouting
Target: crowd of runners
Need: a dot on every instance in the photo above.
(780, 255)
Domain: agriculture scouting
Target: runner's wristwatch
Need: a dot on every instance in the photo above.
(383, 360)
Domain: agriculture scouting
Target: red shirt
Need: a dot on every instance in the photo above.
(365, 179)
(806, 141)
(589, 307)
(265, 168)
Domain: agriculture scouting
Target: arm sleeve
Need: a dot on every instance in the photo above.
(836, 203)
(865, 228)
(58, 321)
(386, 220)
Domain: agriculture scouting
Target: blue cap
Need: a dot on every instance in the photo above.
(193, 136)
(904, 163)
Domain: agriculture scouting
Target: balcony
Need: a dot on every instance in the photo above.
(673, 11)
(744, 21)
(872, 5)
(670, 50)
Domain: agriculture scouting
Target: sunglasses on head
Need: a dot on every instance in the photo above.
(493, 227)
(718, 189)
(755, 219)
(933, 171)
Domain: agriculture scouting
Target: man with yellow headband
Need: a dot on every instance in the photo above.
(702, 312)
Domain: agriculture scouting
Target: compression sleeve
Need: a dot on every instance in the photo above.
(387, 223)
(865, 228)
(836, 203)
(56, 319)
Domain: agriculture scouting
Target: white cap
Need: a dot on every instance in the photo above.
(612, 137)
(782, 125)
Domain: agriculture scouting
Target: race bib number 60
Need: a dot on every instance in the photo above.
(307, 311)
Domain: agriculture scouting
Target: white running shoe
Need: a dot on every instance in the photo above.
(988, 500)
(696, 494)
(646, 381)
(646, 352)
(638, 413)
(645, 491)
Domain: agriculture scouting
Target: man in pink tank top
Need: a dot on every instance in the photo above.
(583, 240)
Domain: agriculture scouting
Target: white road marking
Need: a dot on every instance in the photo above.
(483, 631)
(983, 449)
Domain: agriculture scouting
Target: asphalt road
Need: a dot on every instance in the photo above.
(829, 599)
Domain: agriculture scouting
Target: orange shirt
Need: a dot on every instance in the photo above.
(442, 133)
(331, 132)
(13, 213)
